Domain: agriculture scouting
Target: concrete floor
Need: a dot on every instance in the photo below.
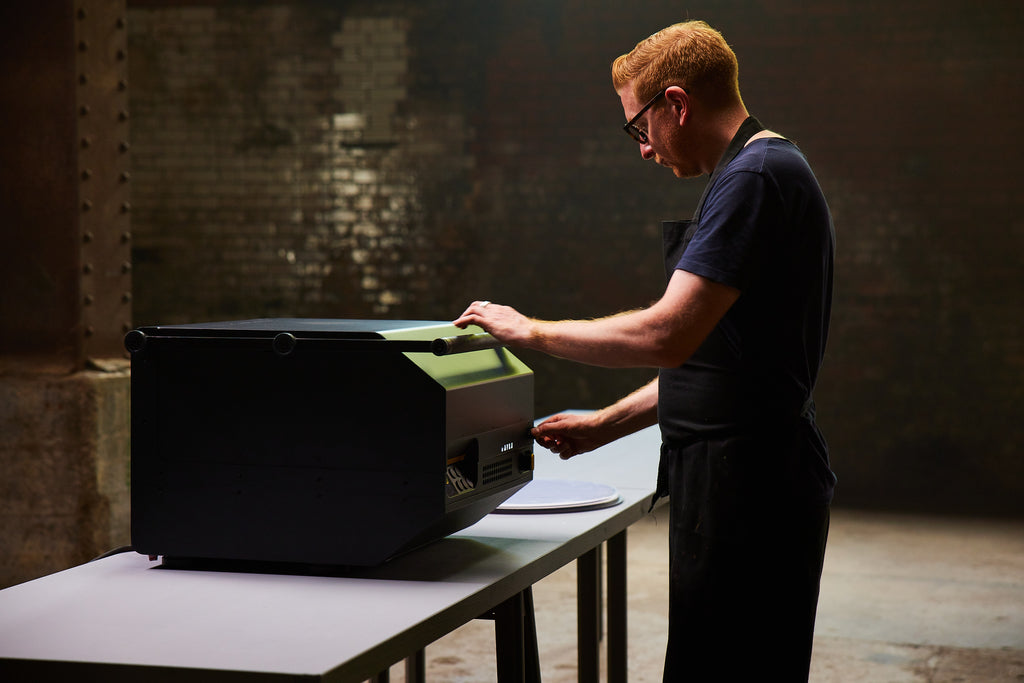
(903, 599)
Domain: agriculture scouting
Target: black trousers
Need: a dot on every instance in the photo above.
(746, 555)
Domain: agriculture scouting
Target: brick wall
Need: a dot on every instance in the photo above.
(398, 159)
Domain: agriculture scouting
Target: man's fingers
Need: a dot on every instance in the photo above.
(471, 316)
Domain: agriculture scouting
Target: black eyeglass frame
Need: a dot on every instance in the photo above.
(630, 126)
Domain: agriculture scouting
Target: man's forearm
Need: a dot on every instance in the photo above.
(662, 336)
(617, 341)
(569, 434)
(633, 412)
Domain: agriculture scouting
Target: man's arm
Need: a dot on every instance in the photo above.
(663, 335)
(568, 434)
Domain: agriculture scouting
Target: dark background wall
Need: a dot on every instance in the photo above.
(397, 159)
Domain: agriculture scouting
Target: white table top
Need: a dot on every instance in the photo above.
(124, 611)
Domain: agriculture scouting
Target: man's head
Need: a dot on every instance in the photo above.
(680, 93)
(691, 55)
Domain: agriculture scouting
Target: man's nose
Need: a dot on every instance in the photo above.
(646, 151)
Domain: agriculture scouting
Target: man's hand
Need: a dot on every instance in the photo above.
(502, 322)
(568, 435)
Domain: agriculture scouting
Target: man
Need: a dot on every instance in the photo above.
(739, 337)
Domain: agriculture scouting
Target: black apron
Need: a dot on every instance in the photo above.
(706, 396)
(714, 394)
(728, 464)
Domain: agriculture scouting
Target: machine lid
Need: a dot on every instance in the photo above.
(333, 328)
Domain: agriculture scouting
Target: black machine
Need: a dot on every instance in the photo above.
(327, 442)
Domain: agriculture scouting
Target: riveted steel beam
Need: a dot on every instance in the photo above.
(65, 267)
(101, 54)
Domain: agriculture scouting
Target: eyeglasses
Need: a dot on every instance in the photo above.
(634, 131)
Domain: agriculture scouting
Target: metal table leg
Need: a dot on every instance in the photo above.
(515, 638)
(416, 667)
(617, 653)
(589, 612)
(588, 615)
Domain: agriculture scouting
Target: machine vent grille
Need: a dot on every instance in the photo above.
(496, 471)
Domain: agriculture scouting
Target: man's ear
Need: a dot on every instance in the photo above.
(679, 100)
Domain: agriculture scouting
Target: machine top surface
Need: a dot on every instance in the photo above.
(334, 327)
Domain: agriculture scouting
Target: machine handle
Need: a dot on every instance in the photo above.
(442, 346)
(284, 343)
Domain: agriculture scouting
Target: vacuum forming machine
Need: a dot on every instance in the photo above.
(320, 441)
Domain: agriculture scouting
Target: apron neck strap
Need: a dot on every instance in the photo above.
(748, 129)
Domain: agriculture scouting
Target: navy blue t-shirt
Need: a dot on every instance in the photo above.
(765, 229)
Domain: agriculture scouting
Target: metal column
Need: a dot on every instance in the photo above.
(65, 265)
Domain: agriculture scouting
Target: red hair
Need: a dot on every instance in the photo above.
(691, 55)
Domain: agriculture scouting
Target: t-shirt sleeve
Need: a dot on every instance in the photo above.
(735, 226)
